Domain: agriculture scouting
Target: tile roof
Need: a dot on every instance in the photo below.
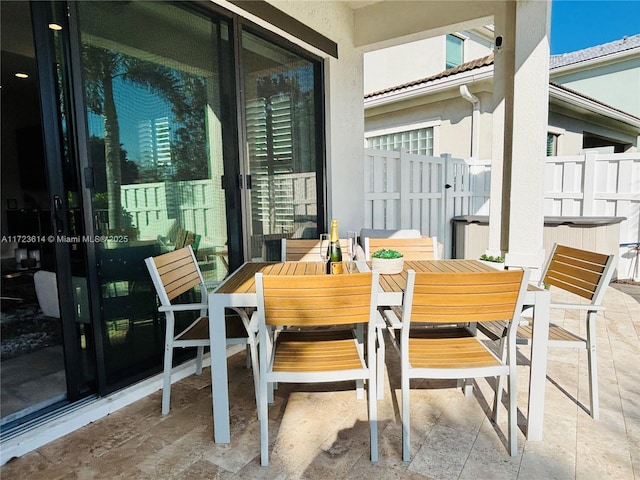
(464, 67)
(626, 43)
(555, 61)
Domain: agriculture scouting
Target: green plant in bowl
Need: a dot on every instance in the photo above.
(387, 254)
(490, 258)
(387, 261)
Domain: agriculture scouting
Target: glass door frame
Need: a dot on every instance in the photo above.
(242, 24)
(52, 138)
(234, 155)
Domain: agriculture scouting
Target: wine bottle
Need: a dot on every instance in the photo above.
(335, 253)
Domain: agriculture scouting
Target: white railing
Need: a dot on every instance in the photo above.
(404, 190)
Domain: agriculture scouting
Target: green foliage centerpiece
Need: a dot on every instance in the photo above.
(387, 261)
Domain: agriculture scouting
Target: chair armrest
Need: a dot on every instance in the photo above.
(392, 319)
(253, 322)
(380, 321)
(578, 306)
(183, 307)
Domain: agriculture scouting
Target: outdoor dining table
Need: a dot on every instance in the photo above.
(238, 290)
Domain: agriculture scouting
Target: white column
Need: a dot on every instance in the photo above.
(522, 101)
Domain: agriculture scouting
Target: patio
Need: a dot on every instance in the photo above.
(318, 434)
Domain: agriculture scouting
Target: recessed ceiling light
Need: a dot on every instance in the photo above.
(55, 26)
(22, 75)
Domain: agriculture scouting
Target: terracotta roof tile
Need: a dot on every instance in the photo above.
(464, 67)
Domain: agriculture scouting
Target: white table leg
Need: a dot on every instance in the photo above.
(219, 381)
(538, 375)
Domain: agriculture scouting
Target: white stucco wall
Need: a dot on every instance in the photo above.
(617, 85)
(570, 131)
(449, 111)
(404, 63)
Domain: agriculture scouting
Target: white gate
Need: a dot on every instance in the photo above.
(409, 191)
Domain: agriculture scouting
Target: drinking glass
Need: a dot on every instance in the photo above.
(324, 248)
(352, 239)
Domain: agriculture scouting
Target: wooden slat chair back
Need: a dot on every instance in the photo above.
(579, 271)
(454, 352)
(303, 250)
(312, 356)
(174, 274)
(587, 275)
(422, 248)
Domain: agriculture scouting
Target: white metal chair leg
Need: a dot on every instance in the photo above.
(406, 420)
(263, 415)
(513, 413)
(200, 353)
(592, 365)
(360, 345)
(373, 416)
(253, 353)
(166, 383)
(380, 363)
(497, 398)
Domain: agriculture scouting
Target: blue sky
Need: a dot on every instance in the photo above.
(578, 24)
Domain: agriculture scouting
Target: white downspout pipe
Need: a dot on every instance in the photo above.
(475, 119)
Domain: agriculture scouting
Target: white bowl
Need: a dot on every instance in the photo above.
(387, 265)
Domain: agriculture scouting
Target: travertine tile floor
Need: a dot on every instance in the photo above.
(320, 434)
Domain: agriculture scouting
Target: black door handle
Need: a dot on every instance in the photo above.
(58, 208)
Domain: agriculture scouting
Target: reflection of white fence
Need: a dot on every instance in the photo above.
(404, 190)
(159, 208)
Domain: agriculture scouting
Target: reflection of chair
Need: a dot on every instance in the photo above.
(174, 274)
(46, 286)
(455, 353)
(316, 356)
(585, 274)
(421, 248)
(186, 238)
(295, 250)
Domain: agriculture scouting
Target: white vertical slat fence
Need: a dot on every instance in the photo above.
(404, 190)
(409, 191)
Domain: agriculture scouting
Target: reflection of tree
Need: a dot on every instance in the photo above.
(128, 169)
(189, 152)
(187, 97)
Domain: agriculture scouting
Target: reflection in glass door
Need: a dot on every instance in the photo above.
(283, 118)
(151, 80)
(48, 358)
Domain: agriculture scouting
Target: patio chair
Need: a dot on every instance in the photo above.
(454, 352)
(174, 274)
(305, 356)
(420, 248)
(584, 274)
(303, 250)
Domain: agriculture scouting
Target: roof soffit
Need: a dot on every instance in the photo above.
(387, 23)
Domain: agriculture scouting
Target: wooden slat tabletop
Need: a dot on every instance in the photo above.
(242, 280)
(398, 281)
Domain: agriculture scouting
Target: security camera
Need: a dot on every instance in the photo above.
(499, 42)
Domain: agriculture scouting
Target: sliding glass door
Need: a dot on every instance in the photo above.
(166, 124)
(151, 76)
(283, 118)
